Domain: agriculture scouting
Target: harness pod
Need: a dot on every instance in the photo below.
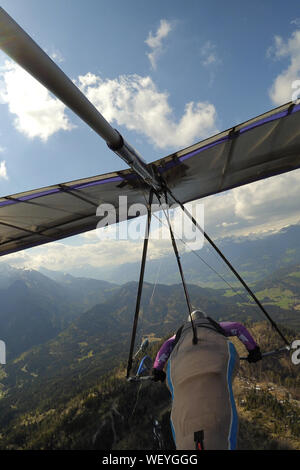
(201, 376)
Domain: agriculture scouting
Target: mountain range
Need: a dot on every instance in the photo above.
(64, 333)
(34, 308)
(254, 257)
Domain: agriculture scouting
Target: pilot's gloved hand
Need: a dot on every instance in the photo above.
(254, 355)
(158, 375)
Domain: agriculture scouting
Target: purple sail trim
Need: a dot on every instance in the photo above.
(6, 203)
(295, 108)
(173, 163)
(42, 193)
(167, 166)
(60, 190)
(205, 147)
(29, 196)
(95, 183)
(274, 117)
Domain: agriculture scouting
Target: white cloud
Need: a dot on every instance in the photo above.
(281, 90)
(37, 113)
(135, 102)
(155, 42)
(132, 101)
(57, 57)
(210, 60)
(296, 21)
(255, 208)
(3, 171)
(209, 54)
(57, 256)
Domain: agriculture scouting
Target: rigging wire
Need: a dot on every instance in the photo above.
(227, 262)
(137, 399)
(250, 292)
(156, 281)
(186, 244)
(140, 286)
(186, 292)
(242, 297)
(210, 267)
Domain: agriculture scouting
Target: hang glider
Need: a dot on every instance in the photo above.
(259, 148)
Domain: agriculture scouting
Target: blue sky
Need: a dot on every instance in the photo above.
(166, 74)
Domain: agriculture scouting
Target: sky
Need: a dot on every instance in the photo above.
(166, 75)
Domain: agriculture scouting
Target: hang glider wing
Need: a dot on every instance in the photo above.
(260, 148)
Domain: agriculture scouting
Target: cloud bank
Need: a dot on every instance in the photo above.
(135, 102)
(132, 101)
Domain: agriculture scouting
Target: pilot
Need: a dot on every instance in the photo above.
(199, 377)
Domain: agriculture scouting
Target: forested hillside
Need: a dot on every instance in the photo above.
(115, 414)
(69, 391)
